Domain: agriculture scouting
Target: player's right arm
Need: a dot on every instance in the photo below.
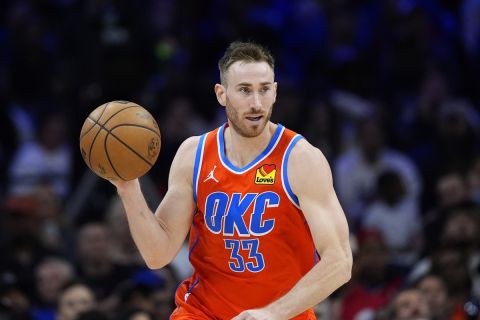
(159, 237)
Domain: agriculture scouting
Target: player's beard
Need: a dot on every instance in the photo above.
(238, 122)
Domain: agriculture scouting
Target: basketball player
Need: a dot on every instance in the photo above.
(259, 204)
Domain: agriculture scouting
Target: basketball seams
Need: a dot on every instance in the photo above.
(128, 147)
(95, 121)
(93, 142)
(95, 138)
(89, 129)
(113, 115)
(108, 156)
(135, 125)
(102, 127)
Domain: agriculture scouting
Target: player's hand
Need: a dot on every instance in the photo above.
(123, 186)
(257, 314)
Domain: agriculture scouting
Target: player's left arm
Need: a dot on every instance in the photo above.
(310, 178)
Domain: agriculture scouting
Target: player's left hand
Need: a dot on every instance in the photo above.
(257, 314)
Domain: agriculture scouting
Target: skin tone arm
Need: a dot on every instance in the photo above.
(159, 237)
(329, 228)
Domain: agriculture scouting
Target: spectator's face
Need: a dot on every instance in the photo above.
(372, 260)
(51, 277)
(75, 300)
(140, 316)
(451, 189)
(248, 95)
(453, 268)
(433, 290)
(461, 229)
(410, 305)
(52, 134)
(93, 243)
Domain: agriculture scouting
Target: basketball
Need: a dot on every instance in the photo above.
(120, 140)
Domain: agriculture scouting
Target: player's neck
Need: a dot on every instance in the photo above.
(242, 150)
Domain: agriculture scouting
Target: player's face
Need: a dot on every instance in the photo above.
(248, 96)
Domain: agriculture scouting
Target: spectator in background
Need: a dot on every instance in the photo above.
(52, 274)
(433, 289)
(451, 191)
(410, 304)
(458, 134)
(21, 229)
(47, 160)
(396, 217)
(147, 290)
(123, 250)
(14, 302)
(452, 265)
(136, 314)
(462, 230)
(373, 283)
(163, 302)
(49, 209)
(457, 244)
(473, 180)
(357, 171)
(43, 208)
(75, 298)
(94, 260)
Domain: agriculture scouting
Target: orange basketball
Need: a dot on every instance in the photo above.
(120, 140)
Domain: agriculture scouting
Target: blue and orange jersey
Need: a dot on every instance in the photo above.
(249, 241)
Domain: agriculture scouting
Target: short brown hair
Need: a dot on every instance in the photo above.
(243, 51)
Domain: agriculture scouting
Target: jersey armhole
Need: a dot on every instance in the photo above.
(198, 164)
(286, 185)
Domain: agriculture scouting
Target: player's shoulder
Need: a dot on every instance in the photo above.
(188, 148)
(307, 165)
(184, 160)
(190, 143)
(304, 152)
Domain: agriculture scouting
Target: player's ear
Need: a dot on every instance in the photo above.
(274, 92)
(220, 92)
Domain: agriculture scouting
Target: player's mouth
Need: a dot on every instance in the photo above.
(254, 118)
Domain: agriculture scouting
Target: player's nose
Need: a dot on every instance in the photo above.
(256, 101)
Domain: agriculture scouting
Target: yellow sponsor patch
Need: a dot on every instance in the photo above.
(266, 174)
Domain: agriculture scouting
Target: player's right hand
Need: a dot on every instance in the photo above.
(124, 186)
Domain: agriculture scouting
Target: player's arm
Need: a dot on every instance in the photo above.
(159, 237)
(311, 180)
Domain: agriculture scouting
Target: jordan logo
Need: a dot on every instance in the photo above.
(211, 176)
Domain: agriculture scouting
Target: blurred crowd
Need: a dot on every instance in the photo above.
(389, 90)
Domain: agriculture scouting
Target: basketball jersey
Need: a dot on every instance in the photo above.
(249, 241)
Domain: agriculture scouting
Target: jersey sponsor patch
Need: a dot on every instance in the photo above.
(266, 174)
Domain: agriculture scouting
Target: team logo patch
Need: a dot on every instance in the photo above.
(266, 174)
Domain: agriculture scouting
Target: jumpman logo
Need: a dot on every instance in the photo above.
(211, 176)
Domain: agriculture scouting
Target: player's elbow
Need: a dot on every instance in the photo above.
(154, 263)
(346, 268)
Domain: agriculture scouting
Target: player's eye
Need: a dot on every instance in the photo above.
(244, 90)
(264, 89)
